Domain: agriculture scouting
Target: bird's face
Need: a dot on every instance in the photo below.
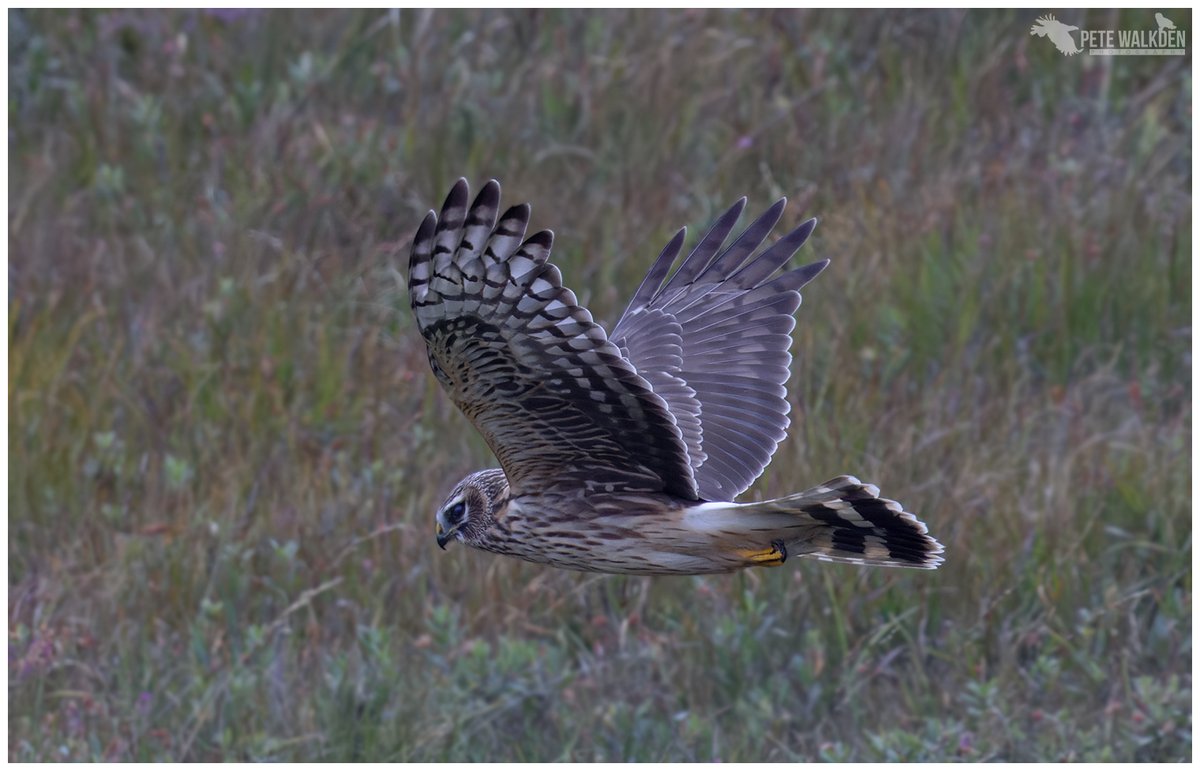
(453, 515)
(470, 508)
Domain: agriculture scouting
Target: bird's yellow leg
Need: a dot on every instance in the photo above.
(776, 555)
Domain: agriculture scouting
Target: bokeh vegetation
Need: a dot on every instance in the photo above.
(226, 447)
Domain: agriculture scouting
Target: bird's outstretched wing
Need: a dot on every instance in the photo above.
(554, 398)
(729, 315)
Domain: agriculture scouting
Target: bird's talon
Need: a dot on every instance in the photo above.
(776, 555)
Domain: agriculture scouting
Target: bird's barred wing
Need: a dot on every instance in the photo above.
(730, 315)
(554, 398)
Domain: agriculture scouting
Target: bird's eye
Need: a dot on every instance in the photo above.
(456, 511)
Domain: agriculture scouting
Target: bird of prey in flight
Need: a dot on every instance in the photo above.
(624, 452)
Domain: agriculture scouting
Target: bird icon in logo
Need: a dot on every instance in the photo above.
(1163, 22)
(1059, 34)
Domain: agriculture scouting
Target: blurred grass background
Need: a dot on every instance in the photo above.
(226, 447)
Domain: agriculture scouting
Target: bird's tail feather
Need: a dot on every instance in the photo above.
(844, 520)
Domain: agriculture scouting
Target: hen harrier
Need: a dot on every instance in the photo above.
(622, 453)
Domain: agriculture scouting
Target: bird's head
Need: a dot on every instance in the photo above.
(471, 507)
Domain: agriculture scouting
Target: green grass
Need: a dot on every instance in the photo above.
(226, 447)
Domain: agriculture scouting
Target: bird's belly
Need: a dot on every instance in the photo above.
(635, 533)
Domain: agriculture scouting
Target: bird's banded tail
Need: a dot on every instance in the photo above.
(844, 520)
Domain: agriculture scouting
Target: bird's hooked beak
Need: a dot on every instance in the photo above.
(445, 533)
